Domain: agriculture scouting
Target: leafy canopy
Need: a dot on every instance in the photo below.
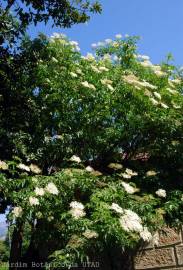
(93, 146)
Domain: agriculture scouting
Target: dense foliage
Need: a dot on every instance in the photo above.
(64, 13)
(91, 148)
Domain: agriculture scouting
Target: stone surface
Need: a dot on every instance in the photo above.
(179, 252)
(155, 258)
(167, 237)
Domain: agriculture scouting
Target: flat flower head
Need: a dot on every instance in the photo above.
(89, 169)
(90, 234)
(33, 201)
(116, 208)
(17, 211)
(129, 189)
(23, 167)
(35, 169)
(130, 221)
(151, 173)
(146, 235)
(118, 36)
(157, 95)
(3, 165)
(78, 205)
(161, 193)
(77, 213)
(52, 189)
(39, 191)
(75, 158)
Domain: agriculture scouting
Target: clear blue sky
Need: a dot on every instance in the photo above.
(158, 22)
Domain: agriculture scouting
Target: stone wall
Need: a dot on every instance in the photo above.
(168, 255)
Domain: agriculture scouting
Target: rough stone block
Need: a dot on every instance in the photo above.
(155, 258)
(168, 236)
(179, 252)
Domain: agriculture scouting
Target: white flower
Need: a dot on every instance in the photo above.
(130, 172)
(106, 81)
(108, 40)
(161, 193)
(89, 169)
(3, 165)
(146, 235)
(155, 239)
(130, 221)
(77, 209)
(88, 85)
(23, 167)
(90, 234)
(171, 91)
(94, 45)
(77, 205)
(100, 44)
(103, 69)
(118, 36)
(90, 57)
(154, 101)
(33, 201)
(75, 158)
(163, 105)
(39, 191)
(17, 211)
(74, 43)
(157, 95)
(110, 87)
(143, 57)
(117, 208)
(129, 189)
(51, 188)
(35, 169)
(77, 213)
(74, 75)
(54, 60)
(95, 69)
(79, 71)
(151, 173)
(77, 49)
(146, 63)
(115, 166)
(176, 81)
(159, 73)
(126, 176)
(107, 57)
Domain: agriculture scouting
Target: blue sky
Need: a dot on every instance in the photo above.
(158, 22)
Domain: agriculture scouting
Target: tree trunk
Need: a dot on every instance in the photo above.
(16, 248)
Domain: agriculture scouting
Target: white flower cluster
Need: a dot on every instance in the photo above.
(161, 193)
(33, 168)
(128, 188)
(151, 173)
(89, 169)
(128, 174)
(134, 80)
(88, 85)
(77, 210)
(131, 222)
(75, 158)
(3, 165)
(51, 188)
(17, 211)
(33, 201)
(90, 234)
(107, 83)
